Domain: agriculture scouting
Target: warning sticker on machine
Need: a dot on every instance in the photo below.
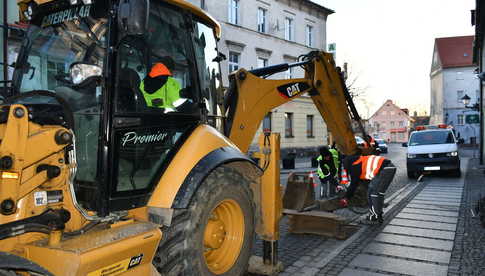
(119, 267)
(47, 197)
(40, 198)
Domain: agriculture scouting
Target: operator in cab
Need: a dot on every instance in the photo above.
(160, 89)
(376, 171)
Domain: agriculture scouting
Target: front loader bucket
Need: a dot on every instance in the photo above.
(299, 193)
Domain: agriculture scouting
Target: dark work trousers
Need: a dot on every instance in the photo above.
(328, 187)
(377, 189)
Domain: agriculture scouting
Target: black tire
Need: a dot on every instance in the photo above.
(7, 273)
(456, 173)
(411, 174)
(181, 251)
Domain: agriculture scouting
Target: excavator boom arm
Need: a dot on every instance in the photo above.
(251, 97)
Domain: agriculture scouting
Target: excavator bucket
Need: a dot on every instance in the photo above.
(309, 216)
(299, 193)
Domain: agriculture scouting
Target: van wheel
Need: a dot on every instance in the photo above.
(411, 174)
(456, 173)
(214, 235)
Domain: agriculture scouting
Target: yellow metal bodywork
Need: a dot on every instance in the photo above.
(223, 236)
(258, 96)
(271, 203)
(98, 251)
(201, 142)
(31, 145)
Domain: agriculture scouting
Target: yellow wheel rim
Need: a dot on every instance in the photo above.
(223, 236)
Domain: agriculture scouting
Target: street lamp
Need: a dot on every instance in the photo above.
(466, 101)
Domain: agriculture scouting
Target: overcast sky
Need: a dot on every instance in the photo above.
(388, 45)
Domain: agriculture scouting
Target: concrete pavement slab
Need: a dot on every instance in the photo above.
(447, 193)
(425, 233)
(353, 272)
(435, 203)
(423, 224)
(438, 199)
(415, 241)
(445, 197)
(411, 210)
(443, 188)
(409, 252)
(427, 218)
(433, 207)
(399, 266)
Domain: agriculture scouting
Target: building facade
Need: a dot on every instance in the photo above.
(390, 123)
(478, 18)
(258, 33)
(453, 75)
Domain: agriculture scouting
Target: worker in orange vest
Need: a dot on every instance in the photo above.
(378, 172)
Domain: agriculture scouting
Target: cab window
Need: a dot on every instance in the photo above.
(155, 72)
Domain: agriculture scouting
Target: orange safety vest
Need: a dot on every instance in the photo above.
(371, 165)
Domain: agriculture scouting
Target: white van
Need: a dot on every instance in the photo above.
(432, 149)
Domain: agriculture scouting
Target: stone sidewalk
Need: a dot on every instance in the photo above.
(423, 235)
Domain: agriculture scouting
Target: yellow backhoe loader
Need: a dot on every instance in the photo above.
(97, 177)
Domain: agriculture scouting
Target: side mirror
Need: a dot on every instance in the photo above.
(133, 17)
(461, 141)
(405, 145)
(80, 72)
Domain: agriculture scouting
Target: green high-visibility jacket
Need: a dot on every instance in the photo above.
(168, 93)
(336, 160)
(319, 170)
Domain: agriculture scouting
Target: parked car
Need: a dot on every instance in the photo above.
(360, 141)
(382, 145)
(432, 149)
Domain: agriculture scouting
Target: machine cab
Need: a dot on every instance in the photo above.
(131, 80)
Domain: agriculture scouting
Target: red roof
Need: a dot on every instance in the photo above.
(455, 51)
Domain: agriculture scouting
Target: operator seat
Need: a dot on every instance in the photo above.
(130, 98)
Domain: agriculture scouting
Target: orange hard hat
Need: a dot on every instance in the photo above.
(159, 69)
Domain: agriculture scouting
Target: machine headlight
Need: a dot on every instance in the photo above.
(411, 155)
(453, 153)
(80, 72)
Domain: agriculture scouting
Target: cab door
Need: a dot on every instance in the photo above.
(154, 110)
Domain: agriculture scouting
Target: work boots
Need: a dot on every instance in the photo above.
(375, 210)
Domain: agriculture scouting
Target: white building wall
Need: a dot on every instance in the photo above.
(457, 83)
(436, 99)
(482, 118)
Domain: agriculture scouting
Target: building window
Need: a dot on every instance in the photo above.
(234, 61)
(262, 20)
(202, 4)
(401, 136)
(401, 123)
(233, 12)
(262, 62)
(459, 119)
(392, 123)
(289, 29)
(309, 126)
(459, 95)
(309, 36)
(267, 122)
(288, 125)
